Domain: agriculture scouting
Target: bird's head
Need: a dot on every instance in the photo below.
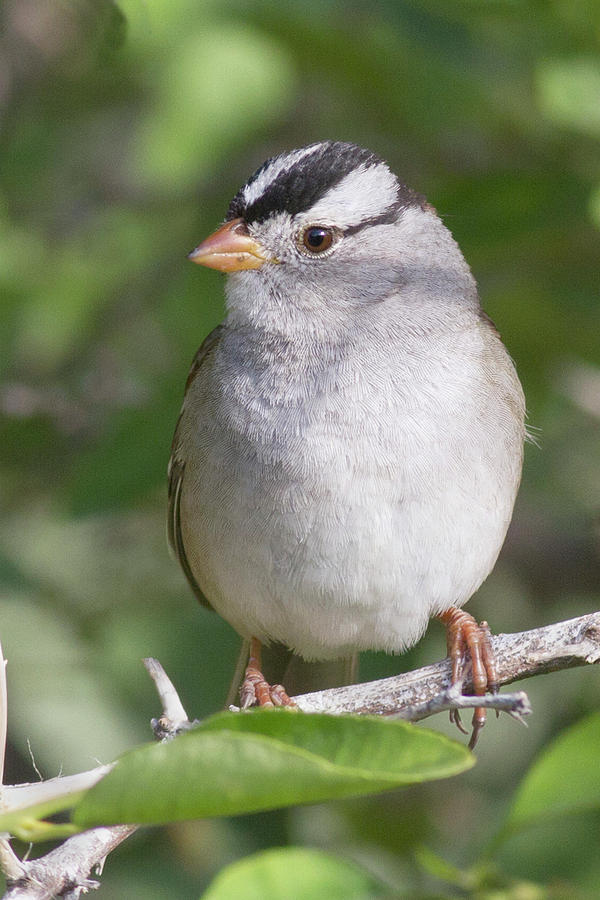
(326, 230)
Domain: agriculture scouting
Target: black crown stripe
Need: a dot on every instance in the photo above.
(296, 189)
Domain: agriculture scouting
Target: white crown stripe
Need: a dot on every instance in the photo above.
(366, 192)
(257, 188)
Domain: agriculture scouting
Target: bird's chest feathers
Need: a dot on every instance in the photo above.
(341, 425)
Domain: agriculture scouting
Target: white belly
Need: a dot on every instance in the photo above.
(347, 522)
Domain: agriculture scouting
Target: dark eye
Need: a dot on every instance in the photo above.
(317, 239)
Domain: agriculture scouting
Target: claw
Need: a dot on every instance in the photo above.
(455, 719)
(477, 723)
(463, 636)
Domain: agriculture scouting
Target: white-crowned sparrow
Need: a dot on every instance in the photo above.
(350, 445)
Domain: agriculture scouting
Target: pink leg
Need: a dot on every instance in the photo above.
(255, 690)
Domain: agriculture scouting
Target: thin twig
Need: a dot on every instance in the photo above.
(174, 718)
(171, 704)
(20, 796)
(516, 705)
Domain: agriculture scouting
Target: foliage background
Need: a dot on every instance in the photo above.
(126, 127)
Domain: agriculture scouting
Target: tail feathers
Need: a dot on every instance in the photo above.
(281, 666)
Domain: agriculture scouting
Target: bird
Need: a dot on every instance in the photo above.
(350, 445)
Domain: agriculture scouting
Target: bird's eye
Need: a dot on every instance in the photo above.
(316, 239)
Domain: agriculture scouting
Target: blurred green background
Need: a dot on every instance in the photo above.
(126, 127)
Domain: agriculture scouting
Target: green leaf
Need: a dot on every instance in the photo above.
(28, 824)
(266, 759)
(564, 779)
(270, 875)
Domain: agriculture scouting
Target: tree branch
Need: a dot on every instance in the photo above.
(563, 645)
(65, 871)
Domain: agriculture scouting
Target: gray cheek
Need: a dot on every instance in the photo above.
(370, 282)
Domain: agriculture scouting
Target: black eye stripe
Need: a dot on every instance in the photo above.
(390, 215)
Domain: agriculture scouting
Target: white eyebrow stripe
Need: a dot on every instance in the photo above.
(365, 193)
(280, 164)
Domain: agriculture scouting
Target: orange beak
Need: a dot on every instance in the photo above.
(230, 249)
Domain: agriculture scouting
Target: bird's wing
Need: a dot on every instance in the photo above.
(176, 473)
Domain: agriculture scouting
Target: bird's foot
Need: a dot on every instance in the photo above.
(464, 634)
(255, 689)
